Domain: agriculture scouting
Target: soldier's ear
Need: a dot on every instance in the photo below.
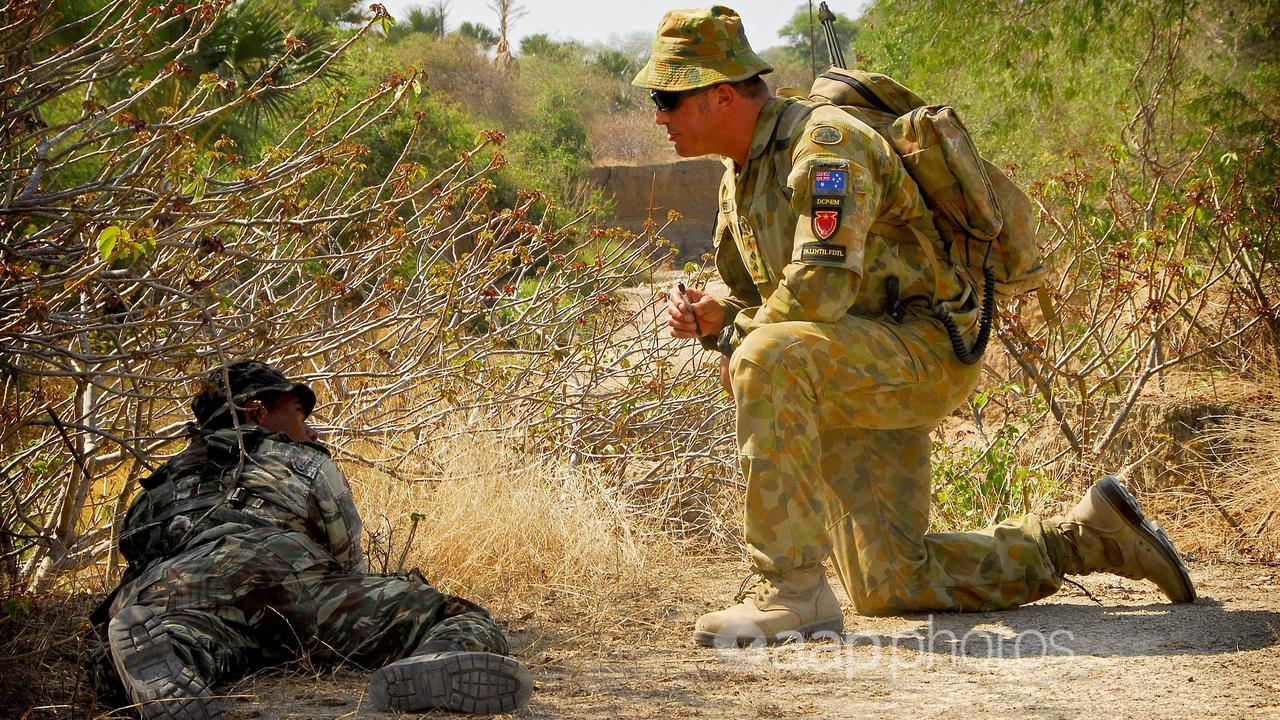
(723, 95)
(254, 412)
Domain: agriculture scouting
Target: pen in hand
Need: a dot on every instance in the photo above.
(681, 289)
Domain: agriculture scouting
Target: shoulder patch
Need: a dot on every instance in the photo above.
(828, 187)
(826, 135)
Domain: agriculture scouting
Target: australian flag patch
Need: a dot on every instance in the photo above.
(830, 185)
(830, 181)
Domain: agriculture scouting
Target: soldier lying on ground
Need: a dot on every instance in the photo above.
(244, 551)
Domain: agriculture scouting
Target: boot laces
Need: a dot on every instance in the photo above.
(752, 586)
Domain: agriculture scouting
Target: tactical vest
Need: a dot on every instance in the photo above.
(212, 483)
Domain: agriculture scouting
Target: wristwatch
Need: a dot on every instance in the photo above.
(722, 341)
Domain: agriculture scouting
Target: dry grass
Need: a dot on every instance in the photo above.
(510, 529)
(1203, 454)
(1241, 485)
(42, 647)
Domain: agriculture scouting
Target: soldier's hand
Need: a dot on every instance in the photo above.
(724, 375)
(709, 311)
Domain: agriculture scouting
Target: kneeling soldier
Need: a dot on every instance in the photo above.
(837, 384)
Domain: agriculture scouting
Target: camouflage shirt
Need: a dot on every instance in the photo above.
(817, 221)
(205, 492)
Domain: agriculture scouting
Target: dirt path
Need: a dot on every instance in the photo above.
(1132, 657)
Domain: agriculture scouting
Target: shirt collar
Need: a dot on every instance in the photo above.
(766, 124)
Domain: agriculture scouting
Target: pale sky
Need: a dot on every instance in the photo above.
(592, 21)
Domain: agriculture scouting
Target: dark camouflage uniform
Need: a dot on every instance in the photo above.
(835, 397)
(262, 564)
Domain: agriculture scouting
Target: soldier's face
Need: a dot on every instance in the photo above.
(283, 414)
(690, 126)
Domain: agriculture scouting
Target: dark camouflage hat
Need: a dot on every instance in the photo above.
(697, 48)
(250, 380)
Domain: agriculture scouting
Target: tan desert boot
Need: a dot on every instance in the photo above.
(1107, 532)
(776, 609)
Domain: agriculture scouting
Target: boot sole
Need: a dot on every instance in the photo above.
(708, 639)
(1123, 502)
(471, 682)
(162, 686)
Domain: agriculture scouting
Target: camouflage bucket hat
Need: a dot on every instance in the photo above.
(697, 48)
(250, 379)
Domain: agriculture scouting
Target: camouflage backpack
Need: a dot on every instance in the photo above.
(987, 224)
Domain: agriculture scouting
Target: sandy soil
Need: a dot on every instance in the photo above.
(1132, 656)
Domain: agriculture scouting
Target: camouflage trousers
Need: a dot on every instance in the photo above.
(254, 599)
(834, 423)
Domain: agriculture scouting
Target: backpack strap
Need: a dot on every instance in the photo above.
(863, 91)
(796, 114)
(927, 246)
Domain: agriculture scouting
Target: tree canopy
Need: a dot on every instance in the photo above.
(796, 36)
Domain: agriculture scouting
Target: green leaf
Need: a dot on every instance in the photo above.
(980, 401)
(110, 239)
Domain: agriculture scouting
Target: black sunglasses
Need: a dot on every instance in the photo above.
(669, 100)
